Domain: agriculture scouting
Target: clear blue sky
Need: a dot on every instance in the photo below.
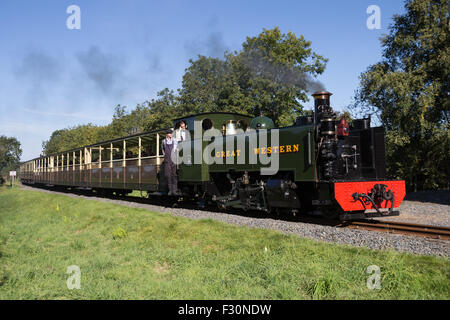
(126, 51)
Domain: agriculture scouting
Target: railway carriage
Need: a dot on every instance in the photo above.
(319, 165)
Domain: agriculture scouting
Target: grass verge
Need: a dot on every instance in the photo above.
(130, 253)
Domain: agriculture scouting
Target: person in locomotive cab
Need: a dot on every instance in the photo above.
(169, 149)
(181, 133)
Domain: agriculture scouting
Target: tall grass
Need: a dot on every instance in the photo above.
(130, 253)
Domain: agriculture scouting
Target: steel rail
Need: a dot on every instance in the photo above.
(428, 231)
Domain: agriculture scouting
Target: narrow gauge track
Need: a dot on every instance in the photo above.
(427, 231)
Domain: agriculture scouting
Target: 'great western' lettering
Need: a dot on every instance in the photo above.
(277, 149)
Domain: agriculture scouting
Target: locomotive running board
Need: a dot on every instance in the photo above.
(359, 216)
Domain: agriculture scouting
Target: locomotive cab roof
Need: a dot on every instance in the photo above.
(216, 120)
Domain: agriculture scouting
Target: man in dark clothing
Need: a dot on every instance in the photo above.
(169, 148)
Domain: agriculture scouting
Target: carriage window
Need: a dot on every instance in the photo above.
(77, 157)
(148, 146)
(106, 153)
(118, 150)
(95, 155)
(132, 146)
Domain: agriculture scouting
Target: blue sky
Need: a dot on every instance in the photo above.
(126, 51)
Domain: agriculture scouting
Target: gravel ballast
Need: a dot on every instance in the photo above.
(437, 214)
(425, 207)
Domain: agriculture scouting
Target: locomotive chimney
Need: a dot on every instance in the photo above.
(321, 98)
(321, 104)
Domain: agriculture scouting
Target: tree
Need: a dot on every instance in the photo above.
(203, 85)
(119, 126)
(162, 111)
(279, 71)
(408, 92)
(75, 137)
(270, 75)
(10, 153)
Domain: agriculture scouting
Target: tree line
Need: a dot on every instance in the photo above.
(409, 93)
(272, 74)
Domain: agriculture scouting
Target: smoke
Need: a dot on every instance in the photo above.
(212, 45)
(39, 67)
(154, 62)
(104, 70)
(313, 85)
(47, 79)
(40, 70)
(290, 76)
(215, 45)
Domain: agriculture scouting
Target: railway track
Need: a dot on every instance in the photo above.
(427, 231)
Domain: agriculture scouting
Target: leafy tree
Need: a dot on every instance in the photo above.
(203, 85)
(162, 111)
(270, 75)
(10, 153)
(409, 92)
(119, 125)
(150, 115)
(280, 70)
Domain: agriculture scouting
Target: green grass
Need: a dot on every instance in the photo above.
(129, 253)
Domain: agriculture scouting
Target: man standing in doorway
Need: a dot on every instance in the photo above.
(169, 149)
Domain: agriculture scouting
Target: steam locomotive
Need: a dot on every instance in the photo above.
(319, 165)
